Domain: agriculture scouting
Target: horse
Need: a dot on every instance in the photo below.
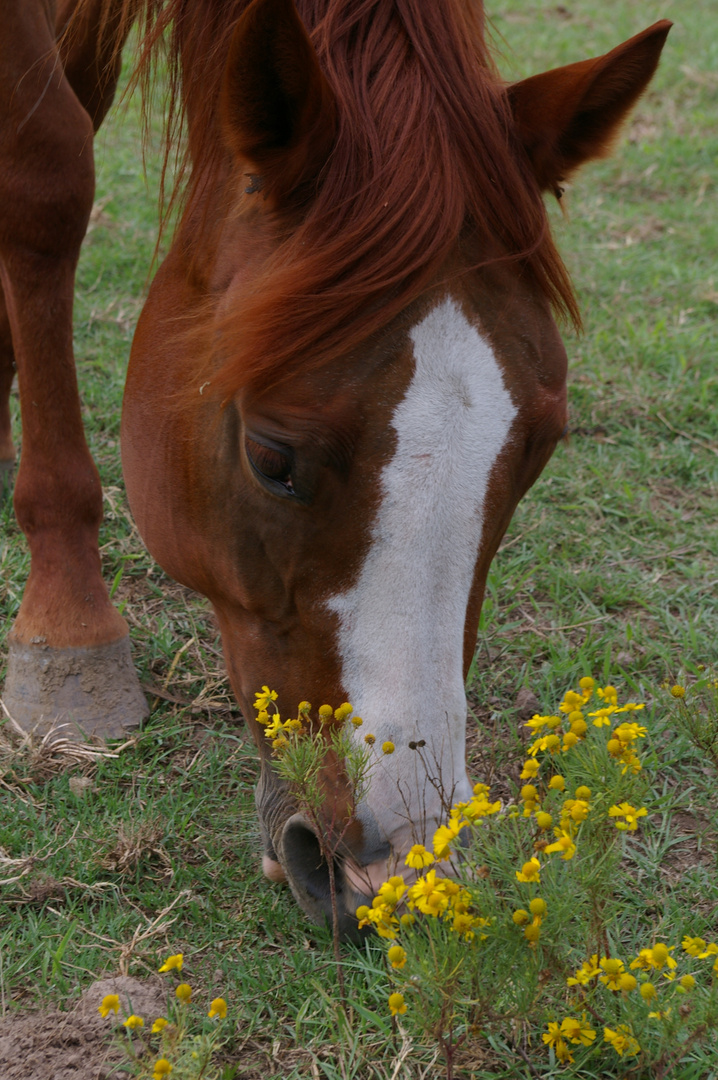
(347, 372)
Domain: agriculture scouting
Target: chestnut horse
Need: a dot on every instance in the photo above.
(346, 374)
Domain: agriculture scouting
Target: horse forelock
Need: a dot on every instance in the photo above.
(424, 148)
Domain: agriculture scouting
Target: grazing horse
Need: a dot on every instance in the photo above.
(346, 374)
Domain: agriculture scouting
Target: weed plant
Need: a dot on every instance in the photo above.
(608, 566)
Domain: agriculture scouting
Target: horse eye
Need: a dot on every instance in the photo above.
(269, 462)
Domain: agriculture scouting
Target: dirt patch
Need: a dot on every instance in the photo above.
(76, 1045)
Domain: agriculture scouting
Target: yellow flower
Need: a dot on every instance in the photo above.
(537, 722)
(571, 701)
(631, 815)
(173, 963)
(110, 1003)
(183, 993)
(133, 1022)
(576, 1031)
(554, 1038)
(543, 820)
(388, 747)
(264, 697)
(576, 809)
(391, 892)
(159, 1024)
(218, 1008)
(565, 844)
(443, 838)
(647, 991)
(325, 713)
(521, 917)
(602, 717)
(397, 1005)
(418, 857)
(533, 932)
(583, 792)
(429, 895)
(613, 969)
(161, 1069)
(656, 958)
(694, 946)
(678, 690)
(589, 970)
(547, 742)
(621, 1040)
(370, 739)
(557, 783)
(529, 872)
(579, 726)
(608, 694)
(627, 982)
(357, 721)
(396, 956)
(530, 769)
(587, 684)
(538, 907)
(478, 807)
(344, 710)
(380, 916)
(686, 983)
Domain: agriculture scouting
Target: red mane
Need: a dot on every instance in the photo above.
(425, 146)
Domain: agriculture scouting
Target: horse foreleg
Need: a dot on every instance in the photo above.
(69, 657)
(7, 372)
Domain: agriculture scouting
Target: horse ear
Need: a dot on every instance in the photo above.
(570, 115)
(278, 110)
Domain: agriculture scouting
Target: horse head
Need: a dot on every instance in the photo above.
(374, 378)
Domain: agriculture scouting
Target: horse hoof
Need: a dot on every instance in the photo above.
(78, 692)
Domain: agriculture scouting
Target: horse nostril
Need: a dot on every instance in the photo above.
(308, 876)
(303, 862)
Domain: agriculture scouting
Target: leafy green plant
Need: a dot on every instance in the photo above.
(514, 921)
(179, 1049)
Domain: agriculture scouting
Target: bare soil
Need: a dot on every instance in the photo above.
(77, 1045)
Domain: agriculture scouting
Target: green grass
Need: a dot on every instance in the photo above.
(609, 568)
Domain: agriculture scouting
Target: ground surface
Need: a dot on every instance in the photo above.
(110, 863)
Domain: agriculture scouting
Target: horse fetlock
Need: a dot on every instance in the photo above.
(76, 692)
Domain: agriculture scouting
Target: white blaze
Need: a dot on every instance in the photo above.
(402, 623)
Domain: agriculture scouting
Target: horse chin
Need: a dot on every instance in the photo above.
(307, 874)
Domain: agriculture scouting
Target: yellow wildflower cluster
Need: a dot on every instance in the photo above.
(621, 745)
(278, 731)
(622, 1040)
(437, 897)
(531, 920)
(698, 947)
(564, 732)
(381, 914)
(611, 972)
(559, 734)
(570, 1030)
(162, 1067)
